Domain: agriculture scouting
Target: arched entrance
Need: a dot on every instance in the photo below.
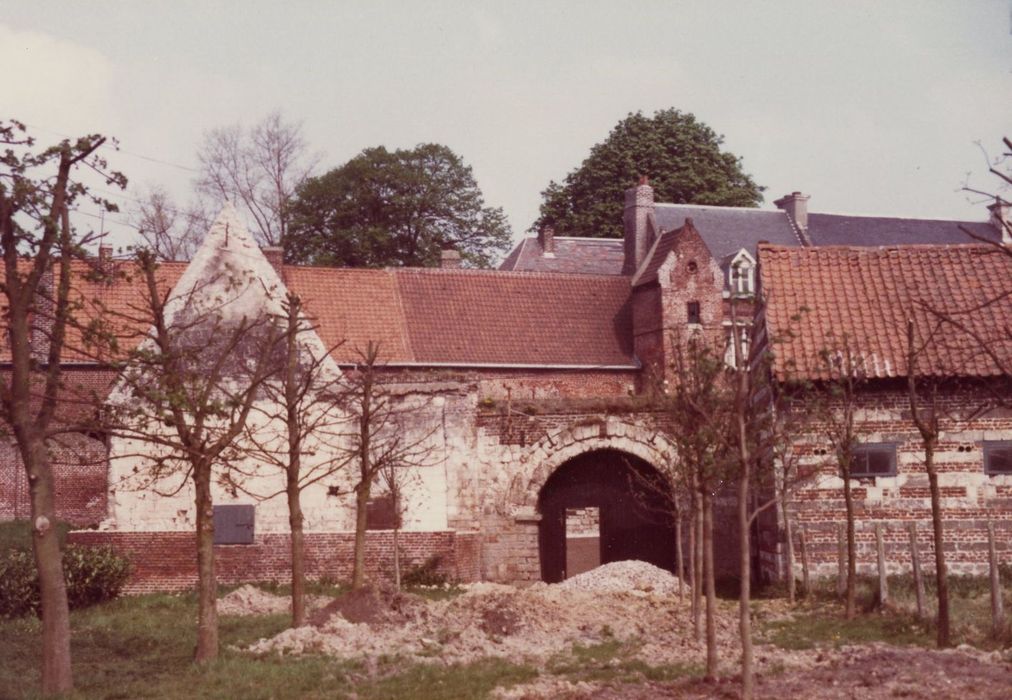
(634, 520)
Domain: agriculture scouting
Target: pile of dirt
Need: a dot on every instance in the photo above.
(250, 600)
(630, 603)
(369, 605)
(624, 576)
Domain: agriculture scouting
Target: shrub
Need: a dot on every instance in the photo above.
(425, 574)
(93, 575)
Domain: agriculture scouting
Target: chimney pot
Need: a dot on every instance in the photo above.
(796, 206)
(449, 259)
(546, 237)
(1001, 218)
(638, 225)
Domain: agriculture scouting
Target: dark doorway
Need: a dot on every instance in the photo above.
(634, 519)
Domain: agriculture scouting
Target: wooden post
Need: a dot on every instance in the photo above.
(841, 560)
(883, 580)
(997, 610)
(915, 567)
(805, 581)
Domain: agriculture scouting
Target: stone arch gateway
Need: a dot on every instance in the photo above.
(622, 509)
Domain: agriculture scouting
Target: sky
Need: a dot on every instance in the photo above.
(880, 108)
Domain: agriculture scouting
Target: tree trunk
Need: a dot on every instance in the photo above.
(361, 504)
(678, 556)
(806, 585)
(941, 573)
(997, 609)
(56, 671)
(711, 589)
(696, 545)
(207, 583)
(788, 552)
(848, 498)
(883, 575)
(397, 558)
(841, 560)
(745, 571)
(915, 569)
(295, 521)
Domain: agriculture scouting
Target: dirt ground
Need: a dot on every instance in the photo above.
(631, 603)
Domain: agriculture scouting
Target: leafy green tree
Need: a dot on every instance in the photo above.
(681, 156)
(396, 208)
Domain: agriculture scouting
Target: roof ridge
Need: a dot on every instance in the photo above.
(896, 217)
(482, 272)
(718, 206)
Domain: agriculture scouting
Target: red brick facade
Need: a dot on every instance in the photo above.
(166, 561)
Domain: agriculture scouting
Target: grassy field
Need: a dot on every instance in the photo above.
(141, 648)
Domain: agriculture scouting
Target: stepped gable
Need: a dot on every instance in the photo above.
(814, 297)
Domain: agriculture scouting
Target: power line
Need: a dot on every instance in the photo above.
(151, 159)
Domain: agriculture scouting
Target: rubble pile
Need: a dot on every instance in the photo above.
(250, 600)
(622, 576)
(628, 601)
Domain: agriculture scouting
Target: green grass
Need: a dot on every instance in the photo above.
(142, 647)
(819, 619)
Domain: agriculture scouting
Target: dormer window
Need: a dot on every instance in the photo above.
(741, 275)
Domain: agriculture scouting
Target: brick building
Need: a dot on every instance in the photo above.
(526, 381)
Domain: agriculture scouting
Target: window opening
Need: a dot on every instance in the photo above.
(998, 456)
(692, 309)
(874, 459)
(234, 524)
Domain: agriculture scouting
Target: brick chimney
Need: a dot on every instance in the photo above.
(546, 237)
(796, 206)
(276, 257)
(1001, 218)
(639, 210)
(449, 259)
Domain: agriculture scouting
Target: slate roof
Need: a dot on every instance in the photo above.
(726, 230)
(591, 256)
(816, 296)
(846, 229)
(470, 317)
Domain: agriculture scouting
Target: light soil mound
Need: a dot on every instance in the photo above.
(250, 600)
(624, 576)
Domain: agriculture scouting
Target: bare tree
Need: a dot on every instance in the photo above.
(297, 429)
(845, 366)
(172, 233)
(186, 393)
(39, 246)
(926, 418)
(698, 412)
(385, 436)
(259, 169)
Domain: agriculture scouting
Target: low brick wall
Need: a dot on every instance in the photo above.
(167, 561)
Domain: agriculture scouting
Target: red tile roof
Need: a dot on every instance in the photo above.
(469, 317)
(816, 297)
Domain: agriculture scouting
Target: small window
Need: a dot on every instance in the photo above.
(998, 457)
(692, 267)
(380, 513)
(741, 279)
(692, 309)
(729, 353)
(233, 524)
(874, 459)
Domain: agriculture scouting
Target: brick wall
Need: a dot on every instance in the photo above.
(969, 497)
(79, 474)
(166, 561)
